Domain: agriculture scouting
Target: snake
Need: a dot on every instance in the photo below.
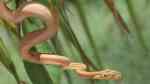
(51, 19)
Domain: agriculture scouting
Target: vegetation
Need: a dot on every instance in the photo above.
(91, 32)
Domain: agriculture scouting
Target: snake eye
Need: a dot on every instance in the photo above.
(104, 75)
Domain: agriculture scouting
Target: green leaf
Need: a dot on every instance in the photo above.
(9, 41)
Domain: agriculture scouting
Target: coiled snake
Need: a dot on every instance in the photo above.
(51, 19)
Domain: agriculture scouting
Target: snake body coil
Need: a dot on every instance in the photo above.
(51, 19)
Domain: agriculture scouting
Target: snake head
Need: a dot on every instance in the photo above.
(108, 75)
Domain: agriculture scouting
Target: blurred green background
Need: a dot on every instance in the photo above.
(89, 33)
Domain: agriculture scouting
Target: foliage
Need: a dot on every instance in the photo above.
(88, 33)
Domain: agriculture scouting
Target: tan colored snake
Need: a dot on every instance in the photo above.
(51, 19)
